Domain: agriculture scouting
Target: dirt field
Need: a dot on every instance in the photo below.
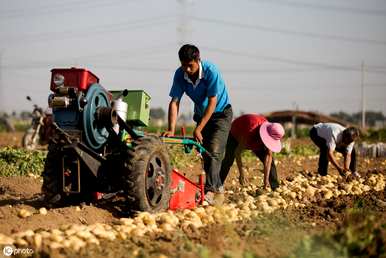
(11, 139)
(298, 229)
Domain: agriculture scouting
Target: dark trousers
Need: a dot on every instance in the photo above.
(230, 154)
(323, 156)
(215, 134)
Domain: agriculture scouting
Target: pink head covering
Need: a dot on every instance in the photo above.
(271, 133)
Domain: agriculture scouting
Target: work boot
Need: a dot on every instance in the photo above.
(218, 199)
(209, 198)
(215, 199)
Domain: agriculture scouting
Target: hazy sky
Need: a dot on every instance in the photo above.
(273, 54)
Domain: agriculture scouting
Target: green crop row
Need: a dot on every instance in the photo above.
(18, 162)
(15, 161)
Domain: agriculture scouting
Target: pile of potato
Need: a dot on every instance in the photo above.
(306, 189)
(298, 193)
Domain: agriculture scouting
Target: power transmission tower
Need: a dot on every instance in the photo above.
(184, 32)
(184, 29)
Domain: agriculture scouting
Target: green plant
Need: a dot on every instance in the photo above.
(375, 135)
(21, 125)
(360, 235)
(16, 162)
(180, 159)
(300, 150)
(319, 246)
(203, 252)
(248, 254)
(299, 132)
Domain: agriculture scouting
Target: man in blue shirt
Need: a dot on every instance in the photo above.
(202, 82)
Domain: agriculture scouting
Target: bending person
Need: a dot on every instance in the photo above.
(330, 137)
(253, 132)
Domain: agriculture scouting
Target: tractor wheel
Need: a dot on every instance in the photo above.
(146, 175)
(52, 187)
(52, 175)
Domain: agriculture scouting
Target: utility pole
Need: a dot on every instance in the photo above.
(363, 125)
(294, 123)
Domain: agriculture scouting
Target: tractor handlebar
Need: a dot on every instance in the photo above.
(188, 143)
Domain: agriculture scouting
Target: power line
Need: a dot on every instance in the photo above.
(290, 61)
(24, 9)
(292, 33)
(225, 70)
(135, 68)
(84, 59)
(322, 7)
(260, 71)
(159, 69)
(375, 85)
(282, 60)
(94, 31)
(121, 53)
(377, 66)
(313, 66)
(310, 86)
(99, 66)
(76, 6)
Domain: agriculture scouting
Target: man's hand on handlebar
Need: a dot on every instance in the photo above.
(167, 133)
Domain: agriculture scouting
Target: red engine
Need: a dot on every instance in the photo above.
(73, 77)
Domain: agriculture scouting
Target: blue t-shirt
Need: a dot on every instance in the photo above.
(211, 84)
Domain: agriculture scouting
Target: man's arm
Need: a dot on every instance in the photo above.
(347, 161)
(347, 156)
(332, 159)
(212, 102)
(267, 168)
(172, 117)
